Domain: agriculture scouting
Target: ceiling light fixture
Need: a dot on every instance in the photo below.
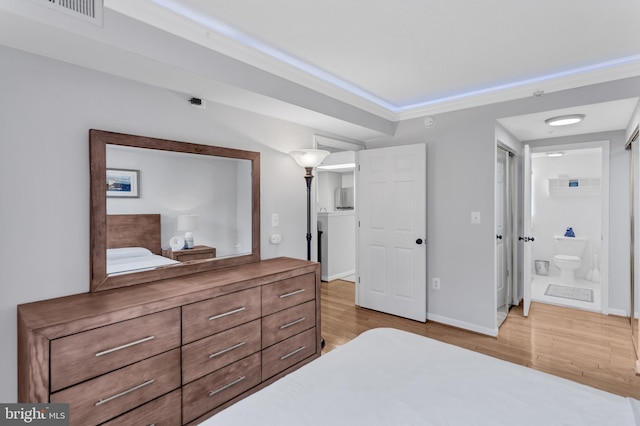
(555, 154)
(564, 120)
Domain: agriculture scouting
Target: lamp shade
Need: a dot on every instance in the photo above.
(309, 157)
(187, 222)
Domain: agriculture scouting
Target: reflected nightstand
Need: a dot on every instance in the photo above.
(196, 253)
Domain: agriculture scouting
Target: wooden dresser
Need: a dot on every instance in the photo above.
(171, 352)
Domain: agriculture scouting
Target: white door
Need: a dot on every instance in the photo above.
(392, 261)
(501, 233)
(526, 229)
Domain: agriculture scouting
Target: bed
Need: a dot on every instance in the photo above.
(391, 377)
(133, 243)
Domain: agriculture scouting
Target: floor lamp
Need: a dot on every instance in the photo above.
(308, 159)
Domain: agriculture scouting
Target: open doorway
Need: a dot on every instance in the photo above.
(569, 217)
(335, 209)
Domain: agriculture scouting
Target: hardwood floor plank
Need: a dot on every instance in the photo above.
(585, 347)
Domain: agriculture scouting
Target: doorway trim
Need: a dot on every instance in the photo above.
(605, 201)
(512, 217)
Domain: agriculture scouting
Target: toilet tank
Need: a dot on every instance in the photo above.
(571, 246)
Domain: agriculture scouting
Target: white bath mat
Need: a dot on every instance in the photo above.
(575, 293)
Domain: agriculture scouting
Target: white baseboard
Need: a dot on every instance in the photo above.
(337, 276)
(618, 312)
(464, 325)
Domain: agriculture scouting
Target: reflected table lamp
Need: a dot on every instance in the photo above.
(187, 223)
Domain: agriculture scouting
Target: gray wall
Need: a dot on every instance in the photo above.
(46, 110)
(460, 179)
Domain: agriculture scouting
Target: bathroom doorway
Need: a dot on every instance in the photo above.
(570, 213)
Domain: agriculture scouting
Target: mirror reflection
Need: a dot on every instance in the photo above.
(204, 205)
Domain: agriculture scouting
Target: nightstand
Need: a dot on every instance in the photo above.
(196, 253)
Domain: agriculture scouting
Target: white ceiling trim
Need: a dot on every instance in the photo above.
(179, 20)
(197, 32)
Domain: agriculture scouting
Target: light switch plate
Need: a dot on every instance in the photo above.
(275, 220)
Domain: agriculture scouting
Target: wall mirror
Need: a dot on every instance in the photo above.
(162, 209)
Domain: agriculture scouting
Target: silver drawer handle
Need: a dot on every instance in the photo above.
(111, 398)
(224, 351)
(282, 327)
(292, 293)
(235, 311)
(128, 345)
(227, 386)
(282, 358)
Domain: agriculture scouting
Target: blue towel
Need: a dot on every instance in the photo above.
(569, 233)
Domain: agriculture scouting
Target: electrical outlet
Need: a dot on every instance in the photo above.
(435, 283)
(475, 217)
(276, 239)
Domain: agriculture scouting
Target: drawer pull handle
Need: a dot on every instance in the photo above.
(227, 386)
(282, 327)
(282, 358)
(292, 293)
(111, 398)
(128, 345)
(235, 311)
(224, 351)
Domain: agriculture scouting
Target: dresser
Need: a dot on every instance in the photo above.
(171, 352)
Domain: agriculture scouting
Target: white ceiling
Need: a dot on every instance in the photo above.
(412, 54)
(601, 117)
(390, 60)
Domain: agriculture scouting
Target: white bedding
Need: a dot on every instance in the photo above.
(134, 259)
(391, 377)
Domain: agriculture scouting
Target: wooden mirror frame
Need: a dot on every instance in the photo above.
(98, 141)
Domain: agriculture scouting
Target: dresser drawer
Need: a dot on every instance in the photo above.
(88, 354)
(214, 352)
(110, 395)
(284, 324)
(164, 411)
(283, 355)
(210, 391)
(287, 293)
(212, 316)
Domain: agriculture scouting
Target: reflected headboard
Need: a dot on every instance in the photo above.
(134, 230)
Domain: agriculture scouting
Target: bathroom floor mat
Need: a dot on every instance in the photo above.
(575, 293)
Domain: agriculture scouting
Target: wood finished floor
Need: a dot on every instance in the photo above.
(585, 347)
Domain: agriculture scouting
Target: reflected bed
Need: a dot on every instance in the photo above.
(133, 243)
(134, 259)
(392, 377)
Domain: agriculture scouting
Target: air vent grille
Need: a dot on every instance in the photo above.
(88, 10)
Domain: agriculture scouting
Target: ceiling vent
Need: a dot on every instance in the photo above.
(87, 10)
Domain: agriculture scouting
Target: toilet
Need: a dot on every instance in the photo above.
(568, 256)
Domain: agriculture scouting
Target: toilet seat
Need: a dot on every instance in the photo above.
(566, 257)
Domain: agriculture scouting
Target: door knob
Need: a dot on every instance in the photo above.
(419, 241)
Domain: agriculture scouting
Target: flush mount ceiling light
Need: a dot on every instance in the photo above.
(555, 154)
(564, 120)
